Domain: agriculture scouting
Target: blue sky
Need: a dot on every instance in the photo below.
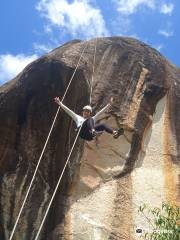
(31, 28)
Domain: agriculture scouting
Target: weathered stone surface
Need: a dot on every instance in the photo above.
(90, 204)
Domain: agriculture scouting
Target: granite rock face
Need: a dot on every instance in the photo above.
(90, 203)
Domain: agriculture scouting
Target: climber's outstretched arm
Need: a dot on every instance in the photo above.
(72, 114)
(95, 117)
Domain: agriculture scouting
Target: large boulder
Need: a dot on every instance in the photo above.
(107, 179)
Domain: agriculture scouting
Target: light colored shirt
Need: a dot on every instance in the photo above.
(80, 119)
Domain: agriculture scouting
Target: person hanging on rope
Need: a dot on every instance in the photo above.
(89, 128)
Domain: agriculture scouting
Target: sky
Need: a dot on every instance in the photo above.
(30, 29)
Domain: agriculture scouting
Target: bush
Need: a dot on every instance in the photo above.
(164, 222)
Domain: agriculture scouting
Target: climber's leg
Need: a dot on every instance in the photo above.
(87, 134)
(103, 127)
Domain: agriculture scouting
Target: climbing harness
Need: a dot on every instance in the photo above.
(41, 155)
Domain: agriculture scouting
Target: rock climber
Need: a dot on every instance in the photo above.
(90, 129)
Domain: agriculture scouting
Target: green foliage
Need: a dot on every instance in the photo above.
(164, 222)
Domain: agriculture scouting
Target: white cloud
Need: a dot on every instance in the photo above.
(42, 48)
(167, 8)
(166, 33)
(77, 17)
(11, 65)
(159, 47)
(128, 7)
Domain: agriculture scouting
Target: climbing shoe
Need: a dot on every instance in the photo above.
(118, 132)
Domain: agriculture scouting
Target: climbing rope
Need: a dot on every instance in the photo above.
(59, 181)
(41, 155)
(56, 188)
(92, 78)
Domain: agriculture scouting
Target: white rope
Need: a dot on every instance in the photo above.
(58, 183)
(94, 61)
(56, 188)
(39, 160)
